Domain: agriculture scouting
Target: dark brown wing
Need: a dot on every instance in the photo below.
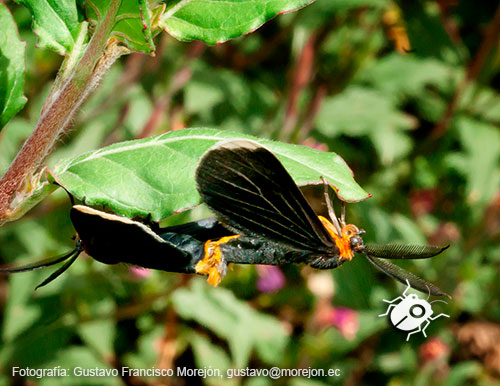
(251, 192)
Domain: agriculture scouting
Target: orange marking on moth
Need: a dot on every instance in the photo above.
(210, 264)
(343, 241)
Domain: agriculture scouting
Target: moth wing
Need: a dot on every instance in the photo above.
(253, 195)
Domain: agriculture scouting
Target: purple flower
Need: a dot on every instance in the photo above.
(271, 279)
(344, 319)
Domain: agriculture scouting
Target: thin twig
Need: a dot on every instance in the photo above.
(178, 81)
(300, 79)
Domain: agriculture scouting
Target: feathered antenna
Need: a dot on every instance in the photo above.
(72, 256)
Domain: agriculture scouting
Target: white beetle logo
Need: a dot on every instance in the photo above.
(411, 313)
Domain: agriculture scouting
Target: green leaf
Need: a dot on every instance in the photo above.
(360, 111)
(75, 359)
(132, 23)
(11, 68)
(480, 161)
(409, 231)
(220, 311)
(210, 356)
(215, 21)
(427, 33)
(353, 282)
(156, 175)
(55, 22)
(464, 372)
(405, 75)
(99, 335)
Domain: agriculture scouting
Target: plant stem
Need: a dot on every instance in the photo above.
(56, 117)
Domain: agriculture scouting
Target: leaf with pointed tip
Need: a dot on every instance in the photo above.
(215, 21)
(55, 22)
(156, 175)
(11, 68)
(132, 23)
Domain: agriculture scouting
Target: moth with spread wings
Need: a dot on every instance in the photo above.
(253, 195)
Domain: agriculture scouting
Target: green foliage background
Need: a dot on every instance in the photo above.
(420, 130)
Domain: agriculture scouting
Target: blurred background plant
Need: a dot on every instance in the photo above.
(406, 92)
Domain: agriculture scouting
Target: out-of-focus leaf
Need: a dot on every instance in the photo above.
(394, 362)
(55, 22)
(201, 96)
(425, 176)
(369, 324)
(462, 373)
(298, 381)
(428, 37)
(133, 22)
(226, 99)
(410, 232)
(231, 319)
(211, 356)
(156, 175)
(325, 11)
(78, 358)
(99, 335)
(11, 68)
(473, 298)
(391, 145)
(145, 355)
(481, 101)
(19, 314)
(407, 75)
(12, 138)
(362, 111)
(38, 346)
(353, 281)
(216, 21)
(480, 162)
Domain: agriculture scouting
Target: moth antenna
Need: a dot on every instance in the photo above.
(43, 263)
(429, 291)
(60, 270)
(331, 211)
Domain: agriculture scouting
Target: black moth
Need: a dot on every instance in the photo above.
(253, 195)
(262, 218)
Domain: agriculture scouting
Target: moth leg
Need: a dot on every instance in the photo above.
(213, 264)
(342, 214)
(331, 211)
